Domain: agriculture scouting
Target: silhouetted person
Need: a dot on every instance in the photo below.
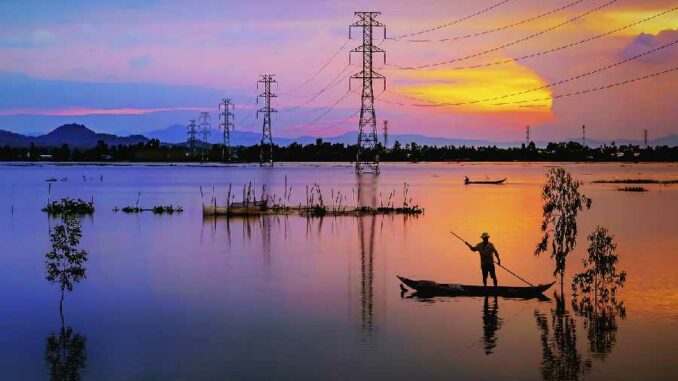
(466, 180)
(486, 250)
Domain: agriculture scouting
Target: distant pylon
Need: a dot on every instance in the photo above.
(205, 121)
(226, 125)
(645, 137)
(192, 140)
(367, 158)
(583, 135)
(385, 133)
(266, 153)
(527, 136)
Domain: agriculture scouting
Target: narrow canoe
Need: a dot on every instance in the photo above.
(427, 287)
(494, 182)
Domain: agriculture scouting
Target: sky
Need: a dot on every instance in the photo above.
(474, 69)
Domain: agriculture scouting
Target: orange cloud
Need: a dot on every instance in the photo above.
(477, 90)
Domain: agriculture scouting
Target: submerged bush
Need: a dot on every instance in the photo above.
(69, 206)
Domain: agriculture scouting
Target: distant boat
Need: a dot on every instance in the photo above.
(494, 182)
(431, 288)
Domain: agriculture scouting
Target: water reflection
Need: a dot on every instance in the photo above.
(367, 196)
(65, 354)
(600, 322)
(366, 229)
(561, 359)
(491, 324)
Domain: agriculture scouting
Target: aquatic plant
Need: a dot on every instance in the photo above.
(637, 181)
(69, 206)
(562, 203)
(65, 262)
(157, 209)
(632, 189)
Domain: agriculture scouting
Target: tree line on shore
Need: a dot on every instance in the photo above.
(155, 151)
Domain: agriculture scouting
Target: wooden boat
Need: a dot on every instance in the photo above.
(431, 288)
(491, 182)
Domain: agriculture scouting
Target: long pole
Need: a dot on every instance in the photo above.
(509, 271)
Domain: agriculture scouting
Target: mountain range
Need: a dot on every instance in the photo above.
(77, 135)
(177, 134)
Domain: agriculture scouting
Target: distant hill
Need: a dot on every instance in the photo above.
(176, 134)
(75, 135)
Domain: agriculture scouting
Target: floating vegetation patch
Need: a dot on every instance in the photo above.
(637, 181)
(69, 206)
(632, 189)
(158, 209)
(315, 205)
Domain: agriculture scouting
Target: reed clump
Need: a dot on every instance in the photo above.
(157, 209)
(632, 189)
(316, 204)
(637, 181)
(69, 206)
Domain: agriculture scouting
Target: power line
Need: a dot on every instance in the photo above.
(322, 68)
(505, 27)
(440, 63)
(329, 108)
(562, 47)
(347, 118)
(451, 22)
(576, 77)
(580, 92)
(333, 83)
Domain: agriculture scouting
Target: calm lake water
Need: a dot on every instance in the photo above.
(181, 297)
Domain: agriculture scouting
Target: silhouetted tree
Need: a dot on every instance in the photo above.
(562, 203)
(65, 262)
(595, 292)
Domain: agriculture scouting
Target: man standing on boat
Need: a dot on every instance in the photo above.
(486, 250)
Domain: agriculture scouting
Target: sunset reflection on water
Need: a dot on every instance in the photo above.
(311, 297)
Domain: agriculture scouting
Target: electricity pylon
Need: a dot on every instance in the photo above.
(385, 134)
(192, 140)
(226, 124)
(266, 153)
(205, 127)
(367, 158)
(527, 136)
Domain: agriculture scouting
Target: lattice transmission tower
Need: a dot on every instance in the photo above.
(527, 136)
(645, 137)
(367, 158)
(192, 139)
(385, 133)
(226, 124)
(205, 121)
(266, 153)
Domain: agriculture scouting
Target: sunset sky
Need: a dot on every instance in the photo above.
(136, 66)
